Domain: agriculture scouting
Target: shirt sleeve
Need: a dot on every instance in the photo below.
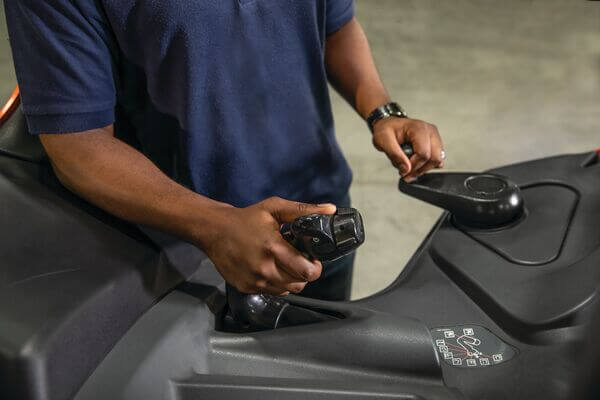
(339, 13)
(63, 55)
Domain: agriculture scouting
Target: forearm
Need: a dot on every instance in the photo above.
(244, 244)
(352, 71)
(119, 179)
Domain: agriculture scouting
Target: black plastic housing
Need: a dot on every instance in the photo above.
(93, 308)
(474, 199)
(326, 237)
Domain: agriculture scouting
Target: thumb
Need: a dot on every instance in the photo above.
(397, 154)
(389, 143)
(287, 211)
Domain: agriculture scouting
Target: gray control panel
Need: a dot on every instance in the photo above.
(470, 346)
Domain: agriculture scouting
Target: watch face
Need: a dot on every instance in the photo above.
(385, 111)
(395, 109)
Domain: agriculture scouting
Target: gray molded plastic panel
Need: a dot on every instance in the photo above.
(174, 352)
(210, 387)
(528, 297)
(72, 278)
(16, 142)
(76, 285)
(538, 236)
(176, 341)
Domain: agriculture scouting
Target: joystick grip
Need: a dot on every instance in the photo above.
(326, 237)
(320, 237)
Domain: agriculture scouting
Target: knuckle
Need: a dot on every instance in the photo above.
(313, 273)
(265, 216)
(261, 284)
(296, 287)
(420, 125)
(264, 271)
(269, 247)
(424, 154)
(245, 287)
(273, 200)
(302, 208)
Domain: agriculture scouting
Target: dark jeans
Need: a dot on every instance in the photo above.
(335, 283)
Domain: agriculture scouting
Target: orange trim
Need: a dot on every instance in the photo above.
(11, 105)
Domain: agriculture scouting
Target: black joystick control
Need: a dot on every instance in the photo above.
(320, 237)
(326, 237)
(478, 200)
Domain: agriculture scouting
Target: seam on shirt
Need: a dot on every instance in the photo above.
(342, 19)
(63, 123)
(61, 109)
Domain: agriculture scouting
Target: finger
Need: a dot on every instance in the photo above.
(282, 279)
(426, 167)
(285, 281)
(287, 211)
(260, 285)
(421, 143)
(436, 156)
(294, 263)
(389, 143)
(266, 287)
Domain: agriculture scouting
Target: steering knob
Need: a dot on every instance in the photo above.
(474, 199)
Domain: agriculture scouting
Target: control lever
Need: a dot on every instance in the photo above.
(478, 200)
(319, 237)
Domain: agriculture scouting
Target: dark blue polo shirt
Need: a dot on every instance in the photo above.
(228, 97)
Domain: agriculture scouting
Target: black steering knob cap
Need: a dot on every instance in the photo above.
(474, 199)
(486, 184)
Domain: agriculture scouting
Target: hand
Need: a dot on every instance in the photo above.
(250, 253)
(390, 133)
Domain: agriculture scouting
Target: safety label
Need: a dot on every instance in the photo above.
(471, 346)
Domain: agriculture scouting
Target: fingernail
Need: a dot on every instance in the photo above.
(326, 205)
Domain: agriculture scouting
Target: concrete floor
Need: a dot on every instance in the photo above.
(504, 81)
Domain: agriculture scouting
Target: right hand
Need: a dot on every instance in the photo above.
(250, 253)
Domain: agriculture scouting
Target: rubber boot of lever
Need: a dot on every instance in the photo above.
(258, 312)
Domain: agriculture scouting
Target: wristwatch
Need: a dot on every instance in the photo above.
(385, 111)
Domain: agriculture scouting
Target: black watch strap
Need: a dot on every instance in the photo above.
(385, 111)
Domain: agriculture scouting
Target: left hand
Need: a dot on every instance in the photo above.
(390, 133)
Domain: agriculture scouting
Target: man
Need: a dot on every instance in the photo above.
(209, 119)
